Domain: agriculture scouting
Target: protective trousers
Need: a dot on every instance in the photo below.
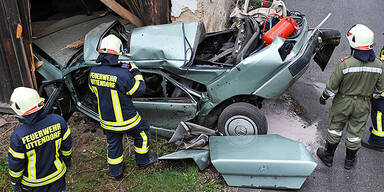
(376, 137)
(56, 186)
(115, 155)
(353, 110)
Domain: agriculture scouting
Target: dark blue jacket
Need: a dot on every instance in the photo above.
(37, 149)
(114, 88)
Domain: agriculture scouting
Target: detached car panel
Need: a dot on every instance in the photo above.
(279, 163)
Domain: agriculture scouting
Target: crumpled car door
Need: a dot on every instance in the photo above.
(330, 40)
(166, 112)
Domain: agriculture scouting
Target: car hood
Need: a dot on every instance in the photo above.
(54, 43)
(158, 46)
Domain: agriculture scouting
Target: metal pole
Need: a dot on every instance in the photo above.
(246, 4)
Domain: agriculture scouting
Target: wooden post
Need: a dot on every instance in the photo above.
(14, 56)
(25, 16)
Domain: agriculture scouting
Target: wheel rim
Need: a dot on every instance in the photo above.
(240, 125)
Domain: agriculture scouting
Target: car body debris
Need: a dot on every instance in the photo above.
(273, 161)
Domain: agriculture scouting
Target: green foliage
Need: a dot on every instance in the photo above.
(3, 164)
(212, 186)
(3, 172)
(170, 180)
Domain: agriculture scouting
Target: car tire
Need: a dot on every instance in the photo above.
(242, 119)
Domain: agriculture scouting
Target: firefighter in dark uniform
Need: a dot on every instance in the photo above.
(40, 149)
(376, 138)
(114, 85)
(352, 84)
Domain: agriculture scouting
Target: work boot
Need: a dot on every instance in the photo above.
(121, 176)
(152, 161)
(326, 154)
(350, 159)
(371, 146)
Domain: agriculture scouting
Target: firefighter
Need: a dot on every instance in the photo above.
(376, 138)
(114, 85)
(40, 149)
(352, 84)
(382, 54)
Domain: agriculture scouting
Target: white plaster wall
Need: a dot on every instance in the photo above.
(214, 13)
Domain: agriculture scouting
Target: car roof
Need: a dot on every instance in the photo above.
(157, 46)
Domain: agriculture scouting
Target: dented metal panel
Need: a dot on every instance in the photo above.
(181, 39)
(158, 46)
(200, 156)
(266, 161)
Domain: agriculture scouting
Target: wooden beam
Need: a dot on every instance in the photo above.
(156, 12)
(124, 13)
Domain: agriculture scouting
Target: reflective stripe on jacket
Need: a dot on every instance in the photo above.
(356, 78)
(114, 87)
(35, 155)
(377, 116)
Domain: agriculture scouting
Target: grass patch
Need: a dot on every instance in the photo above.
(169, 180)
(90, 171)
(4, 180)
(212, 186)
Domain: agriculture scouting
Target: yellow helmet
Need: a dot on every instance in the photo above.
(360, 37)
(111, 44)
(25, 101)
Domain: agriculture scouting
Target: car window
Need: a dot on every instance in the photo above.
(160, 89)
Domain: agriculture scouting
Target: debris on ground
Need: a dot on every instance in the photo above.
(2, 122)
(76, 44)
(201, 157)
(191, 135)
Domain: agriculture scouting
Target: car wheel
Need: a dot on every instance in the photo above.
(242, 119)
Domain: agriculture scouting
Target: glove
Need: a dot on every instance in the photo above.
(133, 66)
(17, 187)
(375, 96)
(125, 65)
(323, 99)
(68, 163)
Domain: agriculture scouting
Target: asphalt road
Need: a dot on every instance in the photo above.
(368, 173)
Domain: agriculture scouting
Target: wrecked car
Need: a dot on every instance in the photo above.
(218, 79)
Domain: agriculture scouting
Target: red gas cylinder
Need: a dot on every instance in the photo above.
(284, 28)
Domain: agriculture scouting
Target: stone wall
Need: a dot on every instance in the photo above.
(214, 13)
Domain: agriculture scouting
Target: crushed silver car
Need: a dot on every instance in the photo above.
(218, 79)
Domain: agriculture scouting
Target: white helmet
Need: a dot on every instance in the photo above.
(25, 101)
(360, 37)
(111, 44)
